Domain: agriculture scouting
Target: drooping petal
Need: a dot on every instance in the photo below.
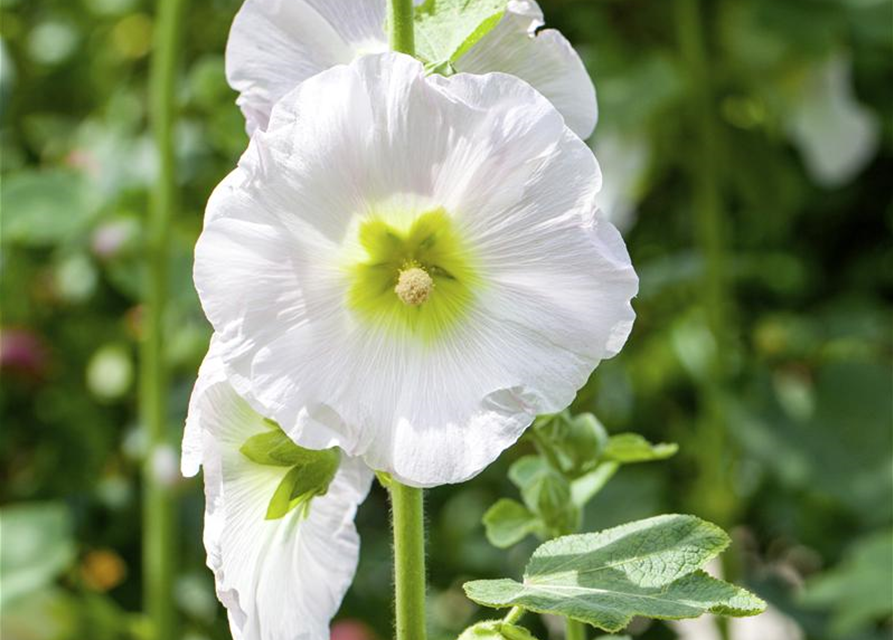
(276, 44)
(377, 138)
(543, 58)
(279, 579)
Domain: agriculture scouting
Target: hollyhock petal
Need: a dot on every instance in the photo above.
(276, 44)
(531, 288)
(279, 579)
(543, 58)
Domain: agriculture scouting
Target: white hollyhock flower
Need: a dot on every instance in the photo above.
(411, 268)
(276, 44)
(283, 578)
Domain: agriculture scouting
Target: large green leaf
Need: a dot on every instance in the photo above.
(446, 29)
(647, 568)
(36, 547)
(41, 208)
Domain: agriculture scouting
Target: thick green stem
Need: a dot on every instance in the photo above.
(407, 502)
(158, 503)
(409, 561)
(574, 630)
(402, 28)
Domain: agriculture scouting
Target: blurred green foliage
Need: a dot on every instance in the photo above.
(791, 447)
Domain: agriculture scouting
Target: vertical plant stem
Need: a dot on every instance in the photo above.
(402, 30)
(407, 503)
(714, 493)
(409, 561)
(574, 630)
(158, 504)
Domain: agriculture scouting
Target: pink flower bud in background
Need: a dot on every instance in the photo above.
(22, 352)
(351, 630)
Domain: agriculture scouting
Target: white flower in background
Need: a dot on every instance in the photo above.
(624, 161)
(411, 268)
(836, 135)
(276, 44)
(282, 564)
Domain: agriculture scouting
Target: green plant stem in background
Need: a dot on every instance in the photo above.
(158, 504)
(409, 561)
(574, 630)
(402, 29)
(714, 493)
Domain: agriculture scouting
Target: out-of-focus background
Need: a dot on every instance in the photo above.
(748, 159)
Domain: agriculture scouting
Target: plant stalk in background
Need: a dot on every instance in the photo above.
(714, 491)
(158, 503)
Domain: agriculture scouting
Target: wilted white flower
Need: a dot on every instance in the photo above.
(279, 528)
(276, 44)
(411, 268)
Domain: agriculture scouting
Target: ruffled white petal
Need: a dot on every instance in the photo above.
(520, 187)
(276, 44)
(543, 58)
(279, 579)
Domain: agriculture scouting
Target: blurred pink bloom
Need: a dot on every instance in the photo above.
(351, 630)
(22, 352)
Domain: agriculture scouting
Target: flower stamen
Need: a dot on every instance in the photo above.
(414, 286)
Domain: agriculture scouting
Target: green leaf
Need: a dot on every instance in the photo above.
(586, 487)
(526, 469)
(858, 591)
(627, 448)
(43, 208)
(37, 547)
(647, 568)
(496, 630)
(508, 522)
(447, 29)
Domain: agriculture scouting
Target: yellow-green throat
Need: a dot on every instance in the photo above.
(418, 278)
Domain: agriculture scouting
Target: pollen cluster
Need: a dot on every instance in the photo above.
(414, 285)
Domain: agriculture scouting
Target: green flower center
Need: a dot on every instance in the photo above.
(418, 278)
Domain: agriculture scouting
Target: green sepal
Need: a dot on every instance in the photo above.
(304, 481)
(384, 479)
(274, 448)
